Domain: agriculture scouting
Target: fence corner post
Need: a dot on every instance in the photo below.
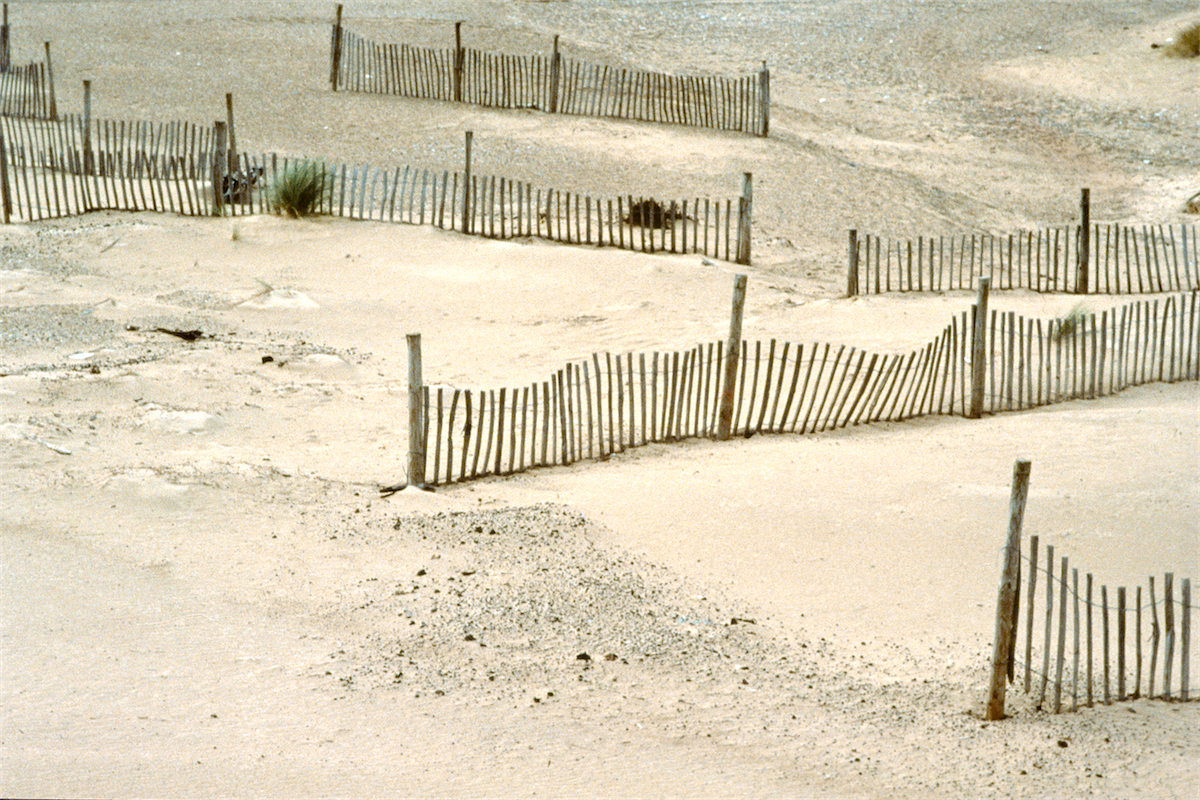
(732, 348)
(1006, 597)
(979, 356)
(416, 414)
(88, 159)
(336, 55)
(852, 268)
(1085, 235)
(764, 87)
(745, 212)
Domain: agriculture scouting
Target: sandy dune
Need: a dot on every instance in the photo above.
(205, 595)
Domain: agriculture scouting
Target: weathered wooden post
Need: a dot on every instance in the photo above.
(555, 67)
(1085, 238)
(979, 354)
(416, 413)
(336, 56)
(1006, 597)
(466, 214)
(218, 168)
(5, 191)
(88, 159)
(732, 349)
(1185, 638)
(5, 53)
(764, 94)
(745, 212)
(50, 84)
(459, 57)
(852, 269)
(233, 152)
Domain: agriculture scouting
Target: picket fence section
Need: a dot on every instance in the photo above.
(551, 83)
(27, 91)
(69, 167)
(609, 403)
(1133, 658)
(1123, 259)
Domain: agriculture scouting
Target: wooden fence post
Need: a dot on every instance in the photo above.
(459, 56)
(233, 153)
(852, 269)
(416, 414)
(1085, 235)
(88, 159)
(732, 348)
(336, 56)
(5, 192)
(5, 53)
(50, 84)
(1185, 638)
(1005, 601)
(466, 217)
(764, 91)
(979, 359)
(218, 168)
(555, 68)
(745, 212)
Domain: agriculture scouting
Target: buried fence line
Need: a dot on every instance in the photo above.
(79, 164)
(607, 403)
(1112, 673)
(553, 83)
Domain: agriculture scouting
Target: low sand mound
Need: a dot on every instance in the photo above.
(280, 299)
(521, 601)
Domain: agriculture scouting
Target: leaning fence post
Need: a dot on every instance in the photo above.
(1005, 624)
(466, 214)
(979, 358)
(458, 62)
(5, 192)
(416, 410)
(745, 211)
(218, 168)
(50, 84)
(732, 348)
(336, 57)
(852, 269)
(1085, 236)
(764, 89)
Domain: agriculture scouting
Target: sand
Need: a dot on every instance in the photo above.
(204, 593)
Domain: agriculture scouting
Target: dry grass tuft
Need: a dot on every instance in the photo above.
(1186, 43)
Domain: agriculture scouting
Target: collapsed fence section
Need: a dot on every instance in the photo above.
(609, 403)
(1122, 259)
(552, 83)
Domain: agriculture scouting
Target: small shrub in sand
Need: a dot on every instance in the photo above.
(1186, 43)
(299, 190)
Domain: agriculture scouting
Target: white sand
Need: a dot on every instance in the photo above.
(204, 595)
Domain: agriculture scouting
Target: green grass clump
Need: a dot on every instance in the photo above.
(1186, 44)
(299, 190)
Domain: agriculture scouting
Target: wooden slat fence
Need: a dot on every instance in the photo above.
(27, 91)
(550, 83)
(64, 168)
(1086, 645)
(1123, 259)
(612, 402)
